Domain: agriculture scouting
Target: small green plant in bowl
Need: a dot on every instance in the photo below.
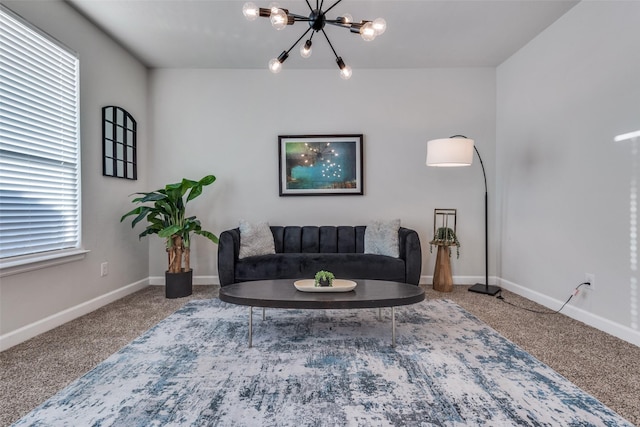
(445, 236)
(324, 278)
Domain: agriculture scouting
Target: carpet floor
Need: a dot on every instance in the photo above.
(321, 368)
(602, 365)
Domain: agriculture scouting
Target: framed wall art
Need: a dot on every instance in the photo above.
(119, 156)
(320, 165)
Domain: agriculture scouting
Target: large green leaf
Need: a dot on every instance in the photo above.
(195, 192)
(166, 208)
(152, 197)
(191, 223)
(208, 235)
(146, 232)
(197, 187)
(186, 185)
(140, 212)
(135, 211)
(173, 187)
(170, 231)
(207, 180)
(144, 210)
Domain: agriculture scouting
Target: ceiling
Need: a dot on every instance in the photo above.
(420, 33)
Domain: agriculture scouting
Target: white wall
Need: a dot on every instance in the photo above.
(568, 191)
(227, 122)
(562, 194)
(109, 76)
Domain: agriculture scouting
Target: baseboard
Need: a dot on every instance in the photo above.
(424, 280)
(617, 330)
(197, 280)
(461, 280)
(36, 328)
(29, 331)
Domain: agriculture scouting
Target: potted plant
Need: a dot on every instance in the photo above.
(445, 236)
(324, 278)
(164, 210)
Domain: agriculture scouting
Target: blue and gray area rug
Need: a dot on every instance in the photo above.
(322, 368)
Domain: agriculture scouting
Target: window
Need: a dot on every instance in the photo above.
(39, 142)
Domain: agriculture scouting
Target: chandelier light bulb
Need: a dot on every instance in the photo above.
(379, 26)
(305, 49)
(347, 18)
(250, 11)
(367, 32)
(345, 73)
(274, 7)
(345, 70)
(275, 66)
(278, 19)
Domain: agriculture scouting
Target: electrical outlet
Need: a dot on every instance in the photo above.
(104, 269)
(591, 278)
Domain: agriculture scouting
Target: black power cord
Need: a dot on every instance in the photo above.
(575, 292)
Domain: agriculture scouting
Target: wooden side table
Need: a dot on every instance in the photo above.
(442, 280)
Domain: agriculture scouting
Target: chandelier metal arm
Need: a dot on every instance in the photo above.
(330, 45)
(338, 23)
(309, 4)
(331, 7)
(299, 18)
(300, 38)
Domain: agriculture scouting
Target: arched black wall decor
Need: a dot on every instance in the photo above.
(118, 143)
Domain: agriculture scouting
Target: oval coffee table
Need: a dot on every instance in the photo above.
(283, 294)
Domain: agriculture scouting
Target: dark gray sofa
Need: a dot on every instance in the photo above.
(302, 251)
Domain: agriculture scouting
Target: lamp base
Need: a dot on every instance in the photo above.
(481, 288)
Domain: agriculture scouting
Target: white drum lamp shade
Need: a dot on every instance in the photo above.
(450, 152)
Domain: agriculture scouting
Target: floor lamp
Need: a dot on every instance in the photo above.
(458, 151)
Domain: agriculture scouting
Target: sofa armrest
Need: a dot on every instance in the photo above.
(411, 252)
(228, 251)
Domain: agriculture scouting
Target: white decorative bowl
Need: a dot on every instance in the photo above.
(339, 285)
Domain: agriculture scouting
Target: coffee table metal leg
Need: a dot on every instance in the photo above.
(250, 326)
(379, 313)
(393, 326)
(264, 316)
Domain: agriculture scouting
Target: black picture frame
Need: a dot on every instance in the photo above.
(321, 165)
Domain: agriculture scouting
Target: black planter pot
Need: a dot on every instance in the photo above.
(324, 283)
(178, 285)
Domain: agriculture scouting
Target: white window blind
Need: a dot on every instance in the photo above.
(39, 142)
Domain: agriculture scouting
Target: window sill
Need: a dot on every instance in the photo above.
(36, 262)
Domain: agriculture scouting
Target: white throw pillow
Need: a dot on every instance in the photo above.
(381, 238)
(255, 239)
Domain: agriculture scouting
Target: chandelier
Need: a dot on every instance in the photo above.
(317, 20)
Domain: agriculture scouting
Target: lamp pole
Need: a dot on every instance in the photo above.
(479, 287)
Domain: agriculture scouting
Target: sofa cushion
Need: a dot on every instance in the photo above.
(255, 239)
(381, 238)
(310, 239)
(324, 239)
(328, 239)
(305, 266)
